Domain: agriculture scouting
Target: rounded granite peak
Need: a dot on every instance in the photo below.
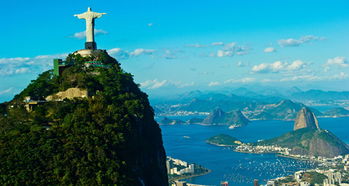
(306, 119)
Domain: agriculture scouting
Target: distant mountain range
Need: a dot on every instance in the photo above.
(319, 95)
(265, 105)
(337, 112)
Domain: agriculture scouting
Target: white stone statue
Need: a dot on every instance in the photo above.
(90, 17)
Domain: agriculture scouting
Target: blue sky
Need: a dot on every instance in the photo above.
(173, 46)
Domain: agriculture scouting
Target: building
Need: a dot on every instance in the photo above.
(304, 183)
(181, 183)
(271, 183)
(346, 167)
(298, 175)
(255, 182)
(31, 104)
(59, 65)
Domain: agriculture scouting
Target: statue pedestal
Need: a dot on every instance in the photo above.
(90, 45)
(87, 52)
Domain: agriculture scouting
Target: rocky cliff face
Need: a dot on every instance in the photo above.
(306, 119)
(233, 118)
(217, 116)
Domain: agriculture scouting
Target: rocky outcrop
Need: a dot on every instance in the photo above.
(217, 116)
(70, 93)
(306, 119)
(233, 119)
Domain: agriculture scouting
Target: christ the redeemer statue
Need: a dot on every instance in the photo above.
(90, 17)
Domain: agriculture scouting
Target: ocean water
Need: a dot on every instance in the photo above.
(239, 168)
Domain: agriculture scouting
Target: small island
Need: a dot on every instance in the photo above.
(224, 140)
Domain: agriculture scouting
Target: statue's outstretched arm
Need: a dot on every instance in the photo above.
(80, 16)
(98, 15)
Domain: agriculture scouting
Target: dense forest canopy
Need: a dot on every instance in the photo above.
(108, 138)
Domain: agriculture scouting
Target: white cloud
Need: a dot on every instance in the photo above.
(23, 65)
(301, 77)
(140, 51)
(296, 65)
(231, 49)
(180, 84)
(242, 80)
(13, 60)
(297, 42)
(269, 50)
(224, 53)
(240, 64)
(340, 76)
(150, 24)
(21, 70)
(153, 84)
(124, 54)
(213, 83)
(196, 45)
(114, 51)
(278, 66)
(217, 44)
(169, 54)
(6, 91)
(338, 61)
(82, 35)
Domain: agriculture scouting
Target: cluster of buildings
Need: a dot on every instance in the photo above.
(333, 178)
(335, 170)
(247, 148)
(179, 167)
(183, 113)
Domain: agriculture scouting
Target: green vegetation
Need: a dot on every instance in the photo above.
(222, 140)
(288, 179)
(314, 178)
(104, 139)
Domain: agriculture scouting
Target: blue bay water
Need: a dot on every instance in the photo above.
(239, 168)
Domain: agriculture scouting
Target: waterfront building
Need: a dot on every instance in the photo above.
(181, 183)
(255, 182)
(271, 183)
(304, 183)
(346, 167)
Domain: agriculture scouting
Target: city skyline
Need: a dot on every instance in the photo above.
(183, 45)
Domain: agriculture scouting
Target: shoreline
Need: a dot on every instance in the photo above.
(189, 176)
